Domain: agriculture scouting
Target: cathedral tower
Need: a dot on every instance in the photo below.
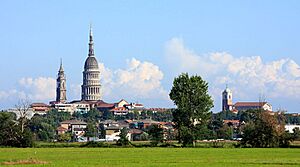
(227, 100)
(61, 85)
(90, 88)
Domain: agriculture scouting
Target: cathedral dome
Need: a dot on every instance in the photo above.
(91, 63)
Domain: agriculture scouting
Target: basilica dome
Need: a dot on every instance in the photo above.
(91, 63)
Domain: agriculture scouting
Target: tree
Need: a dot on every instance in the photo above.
(66, 137)
(156, 134)
(190, 95)
(123, 141)
(22, 108)
(225, 132)
(91, 131)
(11, 133)
(265, 131)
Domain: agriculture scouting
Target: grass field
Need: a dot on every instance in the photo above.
(152, 156)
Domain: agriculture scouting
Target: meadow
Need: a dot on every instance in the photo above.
(150, 156)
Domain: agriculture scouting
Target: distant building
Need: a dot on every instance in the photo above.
(227, 104)
(61, 96)
(243, 106)
(76, 127)
(40, 108)
(81, 106)
(90, 88)
(121, 103)
(62, 107)
(119, 111)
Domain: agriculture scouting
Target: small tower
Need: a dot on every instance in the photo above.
(61, 85)
(227, 99)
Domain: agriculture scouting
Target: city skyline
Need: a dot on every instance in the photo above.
(142, 46)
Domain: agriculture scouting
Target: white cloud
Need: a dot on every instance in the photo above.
(11, 93)
(139, 80)
(38, 89)
(136, 81)
(247, 76)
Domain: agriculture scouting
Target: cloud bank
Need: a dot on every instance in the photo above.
(247, 76)
(141, 81)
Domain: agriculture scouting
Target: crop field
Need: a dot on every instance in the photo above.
(149, 157)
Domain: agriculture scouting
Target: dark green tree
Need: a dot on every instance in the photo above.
(156, 134)
(265, 131)
(190, 95)
(11, 132)
(91, 131)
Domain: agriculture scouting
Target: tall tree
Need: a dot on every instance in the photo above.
(190, 95)
(23, 108)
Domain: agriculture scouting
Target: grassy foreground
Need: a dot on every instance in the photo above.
(151, 156)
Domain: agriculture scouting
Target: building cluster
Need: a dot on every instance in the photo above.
(227, 103)
(90, 92)
(111, 129)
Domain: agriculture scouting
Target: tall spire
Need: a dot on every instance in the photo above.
(91, 43)
(61, 65)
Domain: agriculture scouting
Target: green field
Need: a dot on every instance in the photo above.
(153, 156)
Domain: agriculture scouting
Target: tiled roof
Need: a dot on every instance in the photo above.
(61, 129)
(102, 104)
(250, 104)
(119, 109)
(39, 105)
(141, 105)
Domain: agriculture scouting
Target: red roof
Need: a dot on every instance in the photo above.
(139, 105)
(61, 129)
(250, 104)
(119, 109)
(102, 104)
(39, 105)
(231, 121)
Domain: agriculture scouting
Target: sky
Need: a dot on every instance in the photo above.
(141, 46)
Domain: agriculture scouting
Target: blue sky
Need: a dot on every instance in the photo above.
(142, 45)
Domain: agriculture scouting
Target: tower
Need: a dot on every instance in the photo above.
(90, 88)
(61, 85)
(227, 99)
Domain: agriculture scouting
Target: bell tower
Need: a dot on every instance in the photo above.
(227, 99)
(61, 85)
